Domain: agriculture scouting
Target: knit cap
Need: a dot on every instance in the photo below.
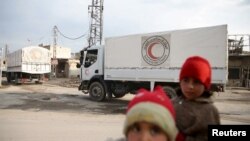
(198, 68)
(152, 107)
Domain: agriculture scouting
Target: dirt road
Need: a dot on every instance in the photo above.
(52, 112)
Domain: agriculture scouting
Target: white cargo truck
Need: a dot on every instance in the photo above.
(128, 63)
(29, 64)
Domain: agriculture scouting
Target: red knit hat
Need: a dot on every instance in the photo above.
(198, 68)
(152, 107)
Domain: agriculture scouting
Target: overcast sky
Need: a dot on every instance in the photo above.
(30, 22)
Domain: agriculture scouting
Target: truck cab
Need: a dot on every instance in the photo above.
(91, 72)
(92, 64)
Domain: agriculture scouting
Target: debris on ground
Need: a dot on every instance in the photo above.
(70, 83)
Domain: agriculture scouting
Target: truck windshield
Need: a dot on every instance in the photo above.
(91, 58)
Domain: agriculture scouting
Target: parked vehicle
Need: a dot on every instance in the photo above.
(29, 64)
(125, 64)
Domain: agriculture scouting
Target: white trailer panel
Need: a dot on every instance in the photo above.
(33, 59)
(209, 42)
(159, 56)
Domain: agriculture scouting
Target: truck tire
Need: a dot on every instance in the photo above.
(119, 89)
(97, 91)
(119, 95)
(9, 77)
(171, 93)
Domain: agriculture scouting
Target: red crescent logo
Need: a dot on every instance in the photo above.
(155, 50)
(87, 71)
(149, 51)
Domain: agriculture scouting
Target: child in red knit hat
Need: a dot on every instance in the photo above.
(194, 106)
(150, 116)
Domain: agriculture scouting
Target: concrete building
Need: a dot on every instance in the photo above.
(65, 62)
(239, 61)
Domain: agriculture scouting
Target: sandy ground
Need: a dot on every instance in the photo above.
(54, 112)
(51, 126)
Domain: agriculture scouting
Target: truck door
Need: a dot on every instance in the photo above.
(90, 65)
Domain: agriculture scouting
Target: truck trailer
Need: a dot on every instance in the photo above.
(127, 63)
(28, 64)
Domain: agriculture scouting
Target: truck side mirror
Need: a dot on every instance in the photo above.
(81, 56)
(81, 60)
(78, 65)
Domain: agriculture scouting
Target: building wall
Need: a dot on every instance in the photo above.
(61, 52)
(72, 70)
(239, 71)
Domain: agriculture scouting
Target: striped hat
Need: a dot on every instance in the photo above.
(152, 107)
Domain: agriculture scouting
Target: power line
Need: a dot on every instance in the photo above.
(69, 37)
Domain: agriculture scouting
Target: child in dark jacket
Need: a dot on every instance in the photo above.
(194, 106)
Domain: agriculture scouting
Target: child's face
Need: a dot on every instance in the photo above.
(143, 131)
(191, 88)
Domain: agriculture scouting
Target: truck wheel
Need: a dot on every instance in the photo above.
(9, 77)
(170, 92)
(119, 95)
(119, 89)
(97, 91)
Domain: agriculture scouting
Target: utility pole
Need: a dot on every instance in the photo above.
(96, 26)
(96, 22)
(1, 64)
(54, 61)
